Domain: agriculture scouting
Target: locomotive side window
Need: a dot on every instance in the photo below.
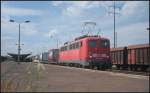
(77, 45)
(73, 45)
(64, 48)
(61, 49)
(70, 46)
(55, 53)
(92, 43)
(104, 43)
(80, 44)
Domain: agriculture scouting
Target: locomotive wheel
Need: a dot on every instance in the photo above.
(103, 68)
(91, 67)
(135, 68)
(96, 67)
(139, 69)
(118, 67)
(78, 65)
(86, 67)
(70, 65)
(143, 68)
(129, 68)
(148, 69)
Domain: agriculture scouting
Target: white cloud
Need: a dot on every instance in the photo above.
(75, 8)
(8, 45)
(51, 33)
(11, 11)
(29, 29)
(133, 7)
(56, 3)
(13, 27)
(129, 34)
(7, 37)
(72, 11)
(134, 33)
(26, 28)
(82, 4)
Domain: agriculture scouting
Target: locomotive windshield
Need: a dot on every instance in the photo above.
(104, 44)
(92, 43)
(55, 53)
(50, 53)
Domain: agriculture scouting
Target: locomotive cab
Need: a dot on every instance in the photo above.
(98, 53)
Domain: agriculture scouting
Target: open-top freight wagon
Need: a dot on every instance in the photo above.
(135, 57)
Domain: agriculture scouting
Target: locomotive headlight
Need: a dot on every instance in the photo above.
(90, 56)
(107, 56)
(104, 55)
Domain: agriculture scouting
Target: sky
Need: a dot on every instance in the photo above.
(62, 21)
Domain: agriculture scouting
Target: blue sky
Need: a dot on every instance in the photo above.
(64, 21)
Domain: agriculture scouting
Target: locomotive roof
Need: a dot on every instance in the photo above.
(89, 36)
(53, 49)
(83, 37)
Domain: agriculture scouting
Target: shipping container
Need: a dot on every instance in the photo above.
(53, 55)
(44, 57)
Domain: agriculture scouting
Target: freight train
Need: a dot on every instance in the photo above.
(94, 51)
(85, 51)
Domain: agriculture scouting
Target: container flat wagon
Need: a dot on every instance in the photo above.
(53, 55)
(44, 57)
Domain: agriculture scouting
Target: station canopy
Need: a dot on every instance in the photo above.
(22, 56)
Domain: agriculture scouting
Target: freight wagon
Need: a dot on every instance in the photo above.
(135, 57)
(53, 55)
(44, 57)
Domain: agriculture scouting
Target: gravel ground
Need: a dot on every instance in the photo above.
(35, 77)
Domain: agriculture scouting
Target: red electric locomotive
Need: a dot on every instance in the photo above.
(53, 55)
(86, 51)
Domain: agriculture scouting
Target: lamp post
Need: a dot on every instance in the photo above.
(19, 47)
(149, 35)
(114, 13)
(57, 40)
(116, 39)
(149, 46)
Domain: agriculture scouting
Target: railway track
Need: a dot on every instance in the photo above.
(116, 71)
(130, 72)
